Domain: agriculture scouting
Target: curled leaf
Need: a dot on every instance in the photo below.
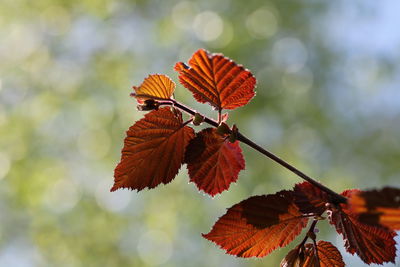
(328, 256)
(373, 244)
(213, 162)
(217, 80)
(153, 150)
(258, 225)
(155, 86)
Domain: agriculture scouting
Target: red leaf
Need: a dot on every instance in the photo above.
(155, 86)
(217, 80)
(213, 162)
(310, 199)
(258, 225)
(378, 207)
(153, 150)
(372, 244)
(328, 256)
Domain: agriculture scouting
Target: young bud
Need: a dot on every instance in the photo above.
(198, 119)
(149, 104)
(233, 135)
(223, 129)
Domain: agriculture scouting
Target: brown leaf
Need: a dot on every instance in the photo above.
(258, 225)
(295, 258)
(217, 80)
(328, 256)
(153, 150)
(310, 199)
(378, 207)
(373, 244)
(155, 86)
(213, 162)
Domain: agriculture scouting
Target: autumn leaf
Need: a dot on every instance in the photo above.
(153, 150)
(310, 199)
(213, 162)
(378, 207)
(155, 86)
(217, 80)
(258, 225)
(373, 244)
(328, 256)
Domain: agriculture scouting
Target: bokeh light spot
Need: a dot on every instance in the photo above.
(183, 14)
(225, 38)
(262, 23)
(289, 54)
(114, 202)
(208, 26)
(62, 196)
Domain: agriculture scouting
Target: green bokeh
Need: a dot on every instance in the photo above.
(66, 71)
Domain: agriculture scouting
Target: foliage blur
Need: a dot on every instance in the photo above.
(328, 101)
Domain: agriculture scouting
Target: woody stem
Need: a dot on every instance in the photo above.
(336, 198)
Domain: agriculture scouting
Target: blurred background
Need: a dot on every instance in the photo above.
(328, 101)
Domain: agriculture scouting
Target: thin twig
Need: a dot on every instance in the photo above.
(310, 230)
(336, 198)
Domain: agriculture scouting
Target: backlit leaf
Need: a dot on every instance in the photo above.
(155, 86)
(153, 150)
(373, 244)
(310, 199)
(213, 162)
(378, 207)
(295, 258)
(258, 225)
(217, 80)
(328, 256)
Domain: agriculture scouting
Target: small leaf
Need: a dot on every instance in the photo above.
(258, 225)
(373, 244)
(328, 256)
(213, 162)
(378, 207)
(295, 258)
(310, 199)
(153, 150)
(155, 86)
(217, 80)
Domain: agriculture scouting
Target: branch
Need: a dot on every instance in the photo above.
(309, 232)
(336, 198)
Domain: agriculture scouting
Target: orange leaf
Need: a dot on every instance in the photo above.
(310, 199)
(378, 207)
(217, 80)
(328, 256)
(213, 162)
(258, 225)
(373, 244)
(155, 86)
(153, 150)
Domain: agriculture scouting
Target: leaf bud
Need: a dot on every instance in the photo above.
(223, 129)
(198, 119)
(233, 135)
(149, 104)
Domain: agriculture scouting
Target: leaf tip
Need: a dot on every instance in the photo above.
(179, 66)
